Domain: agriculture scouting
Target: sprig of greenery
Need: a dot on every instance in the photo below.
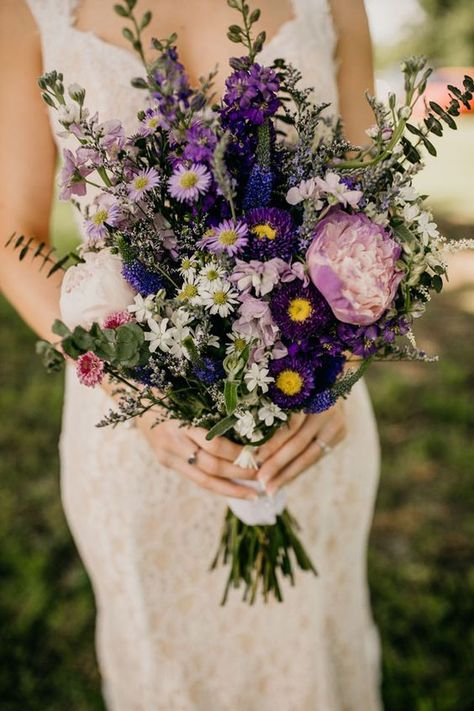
(134, 36)
(243, 35)
(42, 252)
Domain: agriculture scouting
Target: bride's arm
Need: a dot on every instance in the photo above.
(27, 168)
(355, 66)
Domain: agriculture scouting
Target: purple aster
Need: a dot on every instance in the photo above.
(271, 233)
(107, 213)
(209, 370)
(187, 184)
(251, 95)
(294, 381)
(152, 120)
(300, 311)
(200, 143)
(141, 279)
(142, 182)
(229, 237)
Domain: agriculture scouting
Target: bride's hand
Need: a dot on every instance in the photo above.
(213, 467)
(296, 447)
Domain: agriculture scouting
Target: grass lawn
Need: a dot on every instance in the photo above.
(421, 558)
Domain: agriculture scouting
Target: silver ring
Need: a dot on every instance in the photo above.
(323, 446)
(193, 458)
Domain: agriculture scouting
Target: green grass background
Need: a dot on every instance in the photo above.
(421, 557)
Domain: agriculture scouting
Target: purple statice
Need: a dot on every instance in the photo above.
(209, 370)
(258, 191)
(228, 237)
(73, 174)
(141, 279)
(200, 142)
(294, 381)
(250, 96)
(271, 233)
(188, 183)
(142, 182)
(107, 213)
(300, 311)
(320, 402)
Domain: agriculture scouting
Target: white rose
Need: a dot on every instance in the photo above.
(93, 290)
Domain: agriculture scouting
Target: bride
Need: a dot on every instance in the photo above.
(144, 518)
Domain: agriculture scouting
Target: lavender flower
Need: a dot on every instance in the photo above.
(209, 370)
(73, 174)
(187, 184)
(229, 237)
(142, 182)
(200, 143)
(107, 213)
(251, 95)
(141, 279)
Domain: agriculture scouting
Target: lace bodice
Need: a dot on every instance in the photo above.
(146, 534)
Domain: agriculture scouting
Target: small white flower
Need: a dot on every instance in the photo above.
(180, 317)
(372, 132)
(269, 412)
(245, 425)
(189, 291)
(142, 308)
(304, 191)
(337, 191)
(257, 377)
(427, 227)
(405, 112)
(69, 113)
(159, 335)
(408, 194)
(209, 274)
(411, 212)
(175, 343)
(237, 344)
(220, 298)
(188, 266)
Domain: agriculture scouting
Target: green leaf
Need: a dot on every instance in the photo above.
(53, 360)
(433, 125)
(70, 348)
(139, 83)
(230, 395)
(403, 233)
(60, 328)
(437, 283)
(122, 11)
(146, 19)
(128, 34)
(443, 114)
(254, 16)
(82, 338)
(222, 427)
(59, 265)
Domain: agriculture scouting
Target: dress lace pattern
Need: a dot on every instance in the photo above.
(146, 534)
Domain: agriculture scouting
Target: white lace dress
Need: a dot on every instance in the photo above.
(146, 534)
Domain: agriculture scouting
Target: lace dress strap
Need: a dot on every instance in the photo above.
(52, 15)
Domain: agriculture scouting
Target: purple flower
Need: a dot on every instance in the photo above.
(142, 182)
(300, 311)
(107, 213)
(152, 120)
(73, 173)
(251, 95)
(209, 370)
(271, 233)
(187, 184)
(255, 321)
(353, 263)
(141, 279)
(294, 381)
(229, 237)
(258, 191)
(200, 143)
(259, 276)
(112, 136)
(320, 402)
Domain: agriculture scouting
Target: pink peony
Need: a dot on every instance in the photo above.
(352, 261)
(90, 369)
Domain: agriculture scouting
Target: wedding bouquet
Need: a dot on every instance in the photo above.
(243, 260)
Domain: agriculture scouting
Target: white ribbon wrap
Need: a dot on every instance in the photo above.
(265, 509)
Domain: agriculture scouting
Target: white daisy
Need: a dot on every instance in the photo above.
(237, 344)
(220, 298)
(209, 274)
(188, 266)
(269, 412)
(159, 335)
(189, 292)
(257, 377)
(411, 212)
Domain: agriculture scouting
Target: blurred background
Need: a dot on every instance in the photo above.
(421, 556)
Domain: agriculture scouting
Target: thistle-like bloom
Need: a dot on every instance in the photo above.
(107, 213)
(142, 182)
(220, 299)
(294, 381)
(229, 237)
(187, 184)
(300, 311)
(271, 234)
(90, 369)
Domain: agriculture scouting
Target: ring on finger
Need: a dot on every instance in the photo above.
(192, 459)
(323, 446)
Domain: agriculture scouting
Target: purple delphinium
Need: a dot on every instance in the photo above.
(294, 381)
(300, 311)
(200, 143)
(251, 95)
(258, 191)
(172, 85)
(320, 402)
(228, 237)
(271, 233)
(142, 279)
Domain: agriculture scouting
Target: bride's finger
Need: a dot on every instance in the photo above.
(220, 447)
(291, 449)
(223, 487)
(281, 436)
(219, 467)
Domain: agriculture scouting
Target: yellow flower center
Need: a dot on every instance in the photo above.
(289, 382)
(300, 309)
(187, 264)
(219, 297)
(264, 232)
(153, 122)
(188, 180)
(188, 291)
(141, 182)
(227, 237)
(212, 275)
(239, 344)
(100, 217)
